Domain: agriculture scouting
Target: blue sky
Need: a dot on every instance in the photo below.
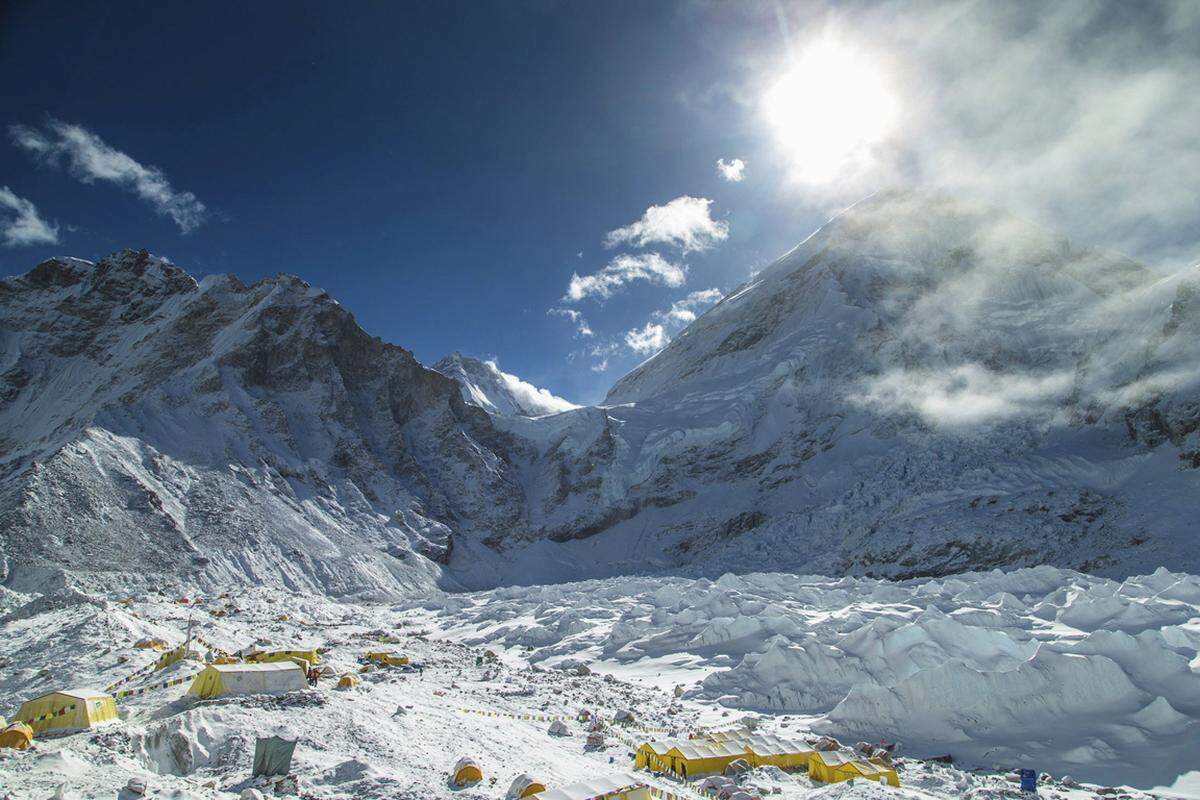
(445, 169)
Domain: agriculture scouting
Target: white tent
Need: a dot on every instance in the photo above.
(218, 680)
(618, 786)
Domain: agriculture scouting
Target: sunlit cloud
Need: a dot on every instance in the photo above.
(733, 170)
(685, 222)
(20, 223)
(623, 269)
(90, 159)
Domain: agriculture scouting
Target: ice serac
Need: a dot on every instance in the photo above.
(921, 387)
(218, 432)
(484, 384)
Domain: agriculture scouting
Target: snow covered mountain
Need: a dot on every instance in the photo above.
(220, 432)
(922, 387)
(485, 385)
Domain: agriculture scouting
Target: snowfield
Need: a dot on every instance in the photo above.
(1076, 676)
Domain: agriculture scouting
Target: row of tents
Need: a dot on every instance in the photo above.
(711, 754)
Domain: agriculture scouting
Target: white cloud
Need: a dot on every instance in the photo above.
(20, 223)
(733, 170)
(89, 159)
(685, 222)
(648, 339)
(623, 269)
(663, 325)
(581, 324)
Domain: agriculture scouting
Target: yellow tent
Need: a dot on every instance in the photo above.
(653, 756)
(833, 766)
(692, 759)
(68, 710)
(387, 658)
(348, 681)
(775, 751)
(16, 736)
(271, 656)
(466, 772)
(218, 680)
(151, 644)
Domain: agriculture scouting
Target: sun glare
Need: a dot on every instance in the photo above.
(829, 109)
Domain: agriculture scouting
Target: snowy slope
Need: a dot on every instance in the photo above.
(485, 385)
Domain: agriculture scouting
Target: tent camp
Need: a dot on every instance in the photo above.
(522, 786)
(68, 710)
(218, 680)
(465, 772)
(835, 765)
(619, 786)
(17, 736)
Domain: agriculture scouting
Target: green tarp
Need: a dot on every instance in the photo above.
(273, 756)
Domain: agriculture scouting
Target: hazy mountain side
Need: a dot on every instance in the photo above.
(923, 386)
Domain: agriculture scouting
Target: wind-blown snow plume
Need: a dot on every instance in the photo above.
(90, 159)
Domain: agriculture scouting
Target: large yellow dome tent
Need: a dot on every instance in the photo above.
(218, 680)
(68, 710)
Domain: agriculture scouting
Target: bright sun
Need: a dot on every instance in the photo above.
(829, 109)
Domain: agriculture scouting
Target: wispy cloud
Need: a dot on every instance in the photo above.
(625, 268)
(90, 159)
(685, 222)
(20, 223)
(733, 170)
(581, 324)
(663, 325)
